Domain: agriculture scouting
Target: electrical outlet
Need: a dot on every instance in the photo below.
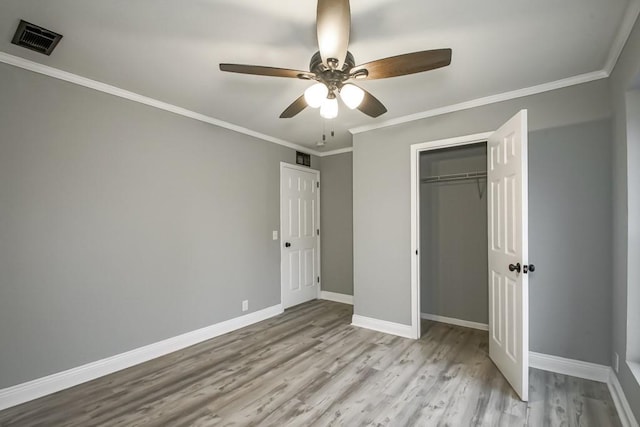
(245, 305)
(616, 362)
(275, 234)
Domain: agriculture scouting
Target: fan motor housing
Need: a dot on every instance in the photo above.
(317, 66)
(332, 78)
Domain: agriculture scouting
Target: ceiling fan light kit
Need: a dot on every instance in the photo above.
(329, 108)
(319, 96)
(333, 67)
(351, 95)
(316, 94)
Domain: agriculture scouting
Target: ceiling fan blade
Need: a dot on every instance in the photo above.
(371, 106)
(265, 71)
(333, 26)
(293, 109)
(408, 63)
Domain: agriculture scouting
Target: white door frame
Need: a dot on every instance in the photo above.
(280, 242)
(416, 149)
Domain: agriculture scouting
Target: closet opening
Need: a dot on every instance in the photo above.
(453, 237)
(474, 252)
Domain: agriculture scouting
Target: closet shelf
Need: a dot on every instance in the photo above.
(454, 177)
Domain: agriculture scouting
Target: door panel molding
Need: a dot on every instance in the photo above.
(299, 219)
(507, 221)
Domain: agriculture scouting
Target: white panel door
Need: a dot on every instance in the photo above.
(508, 252)
(299, 231)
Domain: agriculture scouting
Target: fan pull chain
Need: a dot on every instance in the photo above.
(324, 134)
(324, 131)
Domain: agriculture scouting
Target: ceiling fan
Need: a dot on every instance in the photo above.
(334, 71)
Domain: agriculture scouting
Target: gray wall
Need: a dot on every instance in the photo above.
(622, 79)
(382, 249)
(453, 236)
(336, 222)
(122, 225)
(570, 241)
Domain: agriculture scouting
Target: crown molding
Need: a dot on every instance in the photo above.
(505, 96)
(624, 31)
(334, 152)
(56, 73)
(628, 20)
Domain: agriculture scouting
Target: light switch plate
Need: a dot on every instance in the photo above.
(275, 234)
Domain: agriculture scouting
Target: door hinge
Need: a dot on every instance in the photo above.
(318, 184)
(318, 231)
(318, 279)
(416, 252)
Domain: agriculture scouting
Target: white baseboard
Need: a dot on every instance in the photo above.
(620, 401)
(31, 390)
(40, 387)
(453, 321)
(334, 296)
(574, 368)
(382, 326)
(589, 371)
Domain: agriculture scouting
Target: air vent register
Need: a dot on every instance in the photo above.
(35, 38)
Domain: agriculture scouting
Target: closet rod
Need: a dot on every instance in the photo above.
(454, 177)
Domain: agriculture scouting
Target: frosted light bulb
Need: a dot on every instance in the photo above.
(351, 95)
(315, 95)
(329, 108)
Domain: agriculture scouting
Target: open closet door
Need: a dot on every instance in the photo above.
(508, 252)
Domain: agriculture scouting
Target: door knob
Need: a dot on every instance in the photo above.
(514, 267)
(287, 245)
(528, 268)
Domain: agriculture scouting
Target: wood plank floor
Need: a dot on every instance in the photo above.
(310, 367)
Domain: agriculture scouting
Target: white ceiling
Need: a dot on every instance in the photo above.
(170, 51)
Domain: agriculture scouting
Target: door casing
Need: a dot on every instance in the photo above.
(416, 149)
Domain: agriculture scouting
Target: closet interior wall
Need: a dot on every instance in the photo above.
(453, 234)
